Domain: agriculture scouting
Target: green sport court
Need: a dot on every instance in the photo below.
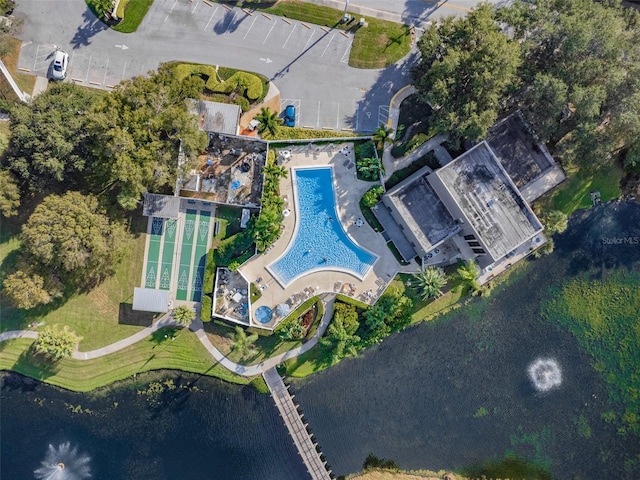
(176, 253)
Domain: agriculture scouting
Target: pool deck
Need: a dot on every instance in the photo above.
(349, 191)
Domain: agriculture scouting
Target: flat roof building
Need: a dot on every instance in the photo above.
(494, 217)
(469, 208)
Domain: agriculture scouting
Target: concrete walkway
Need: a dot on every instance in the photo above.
(392, 164)
(197, 327)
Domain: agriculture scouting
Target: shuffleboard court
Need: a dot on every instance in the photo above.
(166, 266)
(200, 256)
(184, 268)
(153, 254)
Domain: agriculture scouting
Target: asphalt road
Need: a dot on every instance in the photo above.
(307, 63)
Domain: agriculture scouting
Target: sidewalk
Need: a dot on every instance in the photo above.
(197, 327)
(373, 12)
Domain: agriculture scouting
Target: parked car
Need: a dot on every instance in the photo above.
(290, 116)
(59, 65)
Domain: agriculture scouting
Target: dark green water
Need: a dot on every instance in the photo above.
(213, 431)
(441, 395)
(455, 392)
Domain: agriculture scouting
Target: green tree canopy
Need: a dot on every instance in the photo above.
(137, 133)
(582, 64)
(269, 122)
(69, 236)
(467, 66)
(25, 291)
(242, 342)
(49, 140)
(555, 222)
(9, 194)
(184, 315)
(340, 340)
(347, 315)
(55, 342)
(468, 273)
(429, 282)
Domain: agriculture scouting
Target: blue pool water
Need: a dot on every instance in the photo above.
(320, 241)
(264, 314)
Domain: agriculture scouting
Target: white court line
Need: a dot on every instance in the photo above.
(265, 38)
(106, 70)
(214, 12)
(325, 48)
(287, 40)
(194, 8)
(250, 27)
(305, 45)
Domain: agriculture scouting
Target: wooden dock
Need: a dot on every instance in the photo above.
(297, 429)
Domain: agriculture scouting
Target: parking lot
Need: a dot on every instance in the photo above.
(281, 49)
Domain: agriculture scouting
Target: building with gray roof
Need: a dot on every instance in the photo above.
(469, 208)
(216, 117)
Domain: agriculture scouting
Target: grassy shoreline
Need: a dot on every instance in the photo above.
(182, 351)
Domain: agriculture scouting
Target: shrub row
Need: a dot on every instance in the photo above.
(246, 80)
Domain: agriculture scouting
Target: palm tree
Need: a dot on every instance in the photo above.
(269, 121)
(429, 282)
(468, 273)
(344, 344)
(183, 315)
(382, 135)
(243, 342)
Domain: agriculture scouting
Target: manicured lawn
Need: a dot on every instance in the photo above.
(184, 352)
(134, 12)
(24, 82)
(93, 315)
(378, 44)
(573, 193)
(265, 347)
(313, 361)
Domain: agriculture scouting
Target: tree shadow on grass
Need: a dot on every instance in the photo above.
(36, 365)
(164, 335)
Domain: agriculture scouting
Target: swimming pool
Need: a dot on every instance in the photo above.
(319, 241)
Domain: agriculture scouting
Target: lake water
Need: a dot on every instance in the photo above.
(441, 395)
(212, 431)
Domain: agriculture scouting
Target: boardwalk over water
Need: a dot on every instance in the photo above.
(297, 429)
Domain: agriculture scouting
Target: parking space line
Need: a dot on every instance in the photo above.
(328, 43)
(106, 70)
(346, 54)
(287, 40)
(233, 17)
(310, 36)
(214, 12)
(86, 78)
(194, 8)
(250, 27)
(265, 38)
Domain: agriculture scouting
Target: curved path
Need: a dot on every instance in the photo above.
(198, 327)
